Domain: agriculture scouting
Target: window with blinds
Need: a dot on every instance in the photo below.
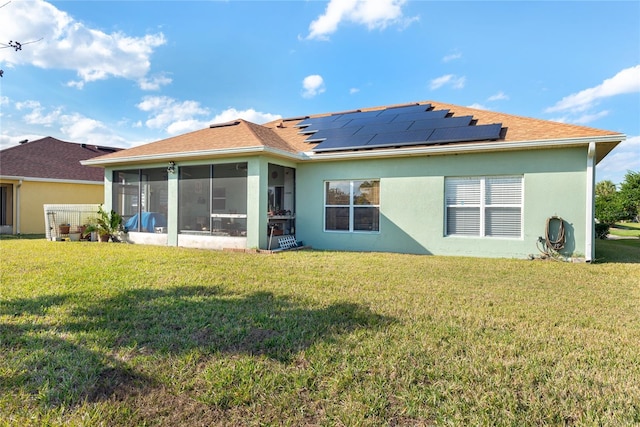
(484, 206)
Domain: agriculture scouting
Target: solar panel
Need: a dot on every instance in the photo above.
(390, 139)
(391, 127)
(373, 129)
(369, 121)
(447, 122)
(323, 134)
(315, 127)
(358, 115)
(348, 143)
(321, 122)
(466, 133)
(317, 121)
(405, 109)
(424, 115)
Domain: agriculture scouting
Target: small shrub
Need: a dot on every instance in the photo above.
(602, 230)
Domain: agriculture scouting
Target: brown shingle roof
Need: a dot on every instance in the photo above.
(284, 136)
(526, 128)
(518, 128)
(237, 134)
(50, 158)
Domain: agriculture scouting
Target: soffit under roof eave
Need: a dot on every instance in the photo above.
(190, 155)
(603, 149)
(609, 141)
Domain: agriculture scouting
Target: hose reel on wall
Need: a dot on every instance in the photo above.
(553, 240)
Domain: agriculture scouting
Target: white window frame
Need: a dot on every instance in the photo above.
(483, 205)
(351, 206)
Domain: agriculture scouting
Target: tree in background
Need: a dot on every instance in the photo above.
(630, 195)
(614, 206)
(605, 188)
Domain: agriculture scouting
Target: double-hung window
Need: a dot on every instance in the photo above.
(484, 206)
(352, 206)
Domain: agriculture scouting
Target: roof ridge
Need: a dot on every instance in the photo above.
(56, 140)
(269, 130)
(250, 125)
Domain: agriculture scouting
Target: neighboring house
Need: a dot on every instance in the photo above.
(45, 171)
(424, 178)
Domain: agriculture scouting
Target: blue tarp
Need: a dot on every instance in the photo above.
(149, 222)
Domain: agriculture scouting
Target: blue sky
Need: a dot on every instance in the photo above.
(124, 73)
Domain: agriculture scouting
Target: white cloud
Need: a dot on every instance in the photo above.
(177, 117)
(582, 119)
(500, 96)
(448, 79)
(37, 115)
(154, 83)
(626, 81)
(374, 14)
(312, 85)
(168, 112)
(588, 118)
(478, 106)
(452, 57)
(73, 126)
(77, 126)
(27, 105)
(622, 159)
(250, 115)
(353, 90)
(67, 44)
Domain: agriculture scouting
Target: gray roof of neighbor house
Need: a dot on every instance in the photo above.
(284, 137)
(50, 158)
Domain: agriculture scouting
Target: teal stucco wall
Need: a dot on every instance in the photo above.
(412, 205)
(412, 201)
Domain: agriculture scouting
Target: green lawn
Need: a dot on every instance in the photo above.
(114, 334)
(627, 229)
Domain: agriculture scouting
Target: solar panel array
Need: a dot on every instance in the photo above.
(394, 127)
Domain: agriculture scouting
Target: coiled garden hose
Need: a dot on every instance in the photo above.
(557, 243)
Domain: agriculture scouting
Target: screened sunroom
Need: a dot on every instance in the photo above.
(208, 205)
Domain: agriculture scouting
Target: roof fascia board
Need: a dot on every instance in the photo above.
(51, 180)
(465, 148)
(191, 155)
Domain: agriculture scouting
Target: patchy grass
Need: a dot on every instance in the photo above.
(114, 334)
(626, 229)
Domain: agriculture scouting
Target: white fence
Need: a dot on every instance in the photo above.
(61, 221)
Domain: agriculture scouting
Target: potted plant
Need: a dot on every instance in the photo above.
(64, 228)
(108, 225)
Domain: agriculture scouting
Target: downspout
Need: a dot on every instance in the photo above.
(590, 217)
(18, 206)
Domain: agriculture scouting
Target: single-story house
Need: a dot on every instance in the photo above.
(421, 178)
(46, 171)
